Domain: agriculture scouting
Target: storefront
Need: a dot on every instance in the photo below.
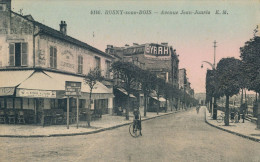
(39, 93)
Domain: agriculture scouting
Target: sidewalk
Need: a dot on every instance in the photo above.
(105, 123)
(247, 130)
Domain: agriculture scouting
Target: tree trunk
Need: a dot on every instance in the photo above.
(215, 111)
(242, 95)
(89, 108)
(158, 107)
(145, 104)
(246, 103)
(210, 105)
(127, 107)
(227, 111)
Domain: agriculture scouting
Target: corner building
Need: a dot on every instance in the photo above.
(35, 63)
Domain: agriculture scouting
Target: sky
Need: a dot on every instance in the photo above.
(192, 35)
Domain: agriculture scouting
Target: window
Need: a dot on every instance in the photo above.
(2, 7)
(108, 69)
(80, 64)
(2, 103)
(53, 57)
(98, 63)
(18, 103)
(54, 103)
(18, 54)
(10, 103)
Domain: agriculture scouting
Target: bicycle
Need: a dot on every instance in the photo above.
(221, 118)
(134, 129)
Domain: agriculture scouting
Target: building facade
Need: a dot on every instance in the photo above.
(160, 59)
(36, 61)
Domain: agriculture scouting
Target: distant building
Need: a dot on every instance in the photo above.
(158, 58)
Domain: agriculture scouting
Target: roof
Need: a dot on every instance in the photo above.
(57, 34)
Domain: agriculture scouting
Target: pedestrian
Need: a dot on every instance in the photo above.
(236, 117)
(198, 109)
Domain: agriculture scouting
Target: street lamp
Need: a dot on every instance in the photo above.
(213, 66)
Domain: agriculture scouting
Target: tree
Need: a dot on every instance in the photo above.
(91, 79)
(159, 84)
(250, 55)
(147, 85)
(128, 73)
(228, 80)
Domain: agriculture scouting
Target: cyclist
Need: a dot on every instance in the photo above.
(137, 120)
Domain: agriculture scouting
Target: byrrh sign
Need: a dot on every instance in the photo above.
(157, 50)
(149, 50)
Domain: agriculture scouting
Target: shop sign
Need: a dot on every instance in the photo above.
(35, 93)
(72, 88)
(6, 91)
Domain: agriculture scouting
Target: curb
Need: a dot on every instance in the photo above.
(83, 133)
(235, 133)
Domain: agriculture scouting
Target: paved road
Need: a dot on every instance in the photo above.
(179, 137)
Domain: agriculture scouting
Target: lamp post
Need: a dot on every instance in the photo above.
(213, 66)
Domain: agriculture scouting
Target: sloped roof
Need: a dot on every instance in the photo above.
(57, 34)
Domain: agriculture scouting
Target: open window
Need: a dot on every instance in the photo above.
(18, 54)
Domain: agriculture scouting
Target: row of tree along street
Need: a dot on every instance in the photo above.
(232, 75)
(133, 78)
(137, 79)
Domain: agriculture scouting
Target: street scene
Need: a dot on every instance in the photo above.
(129, 81)
(183, 136)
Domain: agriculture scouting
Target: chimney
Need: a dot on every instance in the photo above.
(6, 5)
(109, 46)
(63, 27)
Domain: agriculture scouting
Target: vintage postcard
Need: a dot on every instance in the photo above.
(130, 80)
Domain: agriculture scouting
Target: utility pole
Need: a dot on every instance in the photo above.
(214, 65)
(214, 97)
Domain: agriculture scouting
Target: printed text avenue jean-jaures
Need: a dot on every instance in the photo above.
(161, 12)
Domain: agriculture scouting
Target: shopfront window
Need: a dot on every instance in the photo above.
(18, 103)
(54, 104)
(10, 103)
(2, 103)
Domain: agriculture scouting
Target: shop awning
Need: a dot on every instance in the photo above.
(99, 91)
(9, 80)
(40, 85)
(125, 92)
(161, 99)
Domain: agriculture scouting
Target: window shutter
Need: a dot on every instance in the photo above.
(51, 56)
(24, 52)
(55, 57)
(11, 54)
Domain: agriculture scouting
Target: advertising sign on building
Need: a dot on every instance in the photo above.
(35, 93)
(6, 91)
(134, 50)
(157, 51)
(72, 88)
